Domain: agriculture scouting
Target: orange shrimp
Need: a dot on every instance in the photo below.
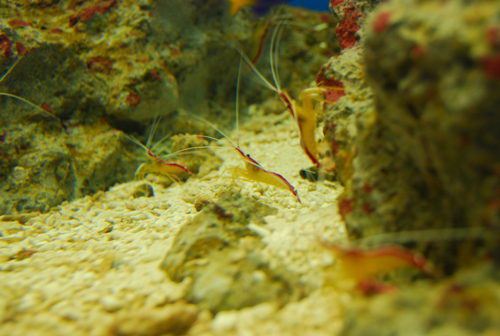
(363, 264)
(304, 115)
(255, 172)
(306, 120)
(383, 254)
(252, 170)
(158, 165)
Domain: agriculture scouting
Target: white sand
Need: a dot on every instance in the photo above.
(82, 278)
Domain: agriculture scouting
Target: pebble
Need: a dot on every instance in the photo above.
(282, 254)
(156, 299)
(138, 217)
(113, 205)
(111, 303)
(224, 321)
(89, 297)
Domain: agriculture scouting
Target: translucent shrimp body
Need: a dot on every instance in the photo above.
(254, 172)
(304, 115)
(160, 167)
(157, 165)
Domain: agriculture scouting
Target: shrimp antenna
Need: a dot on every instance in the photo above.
(256, 71)
(47, 111)
(182, 151)
(237, 108)
(432, 235)
(262, 39)
(160, 141)
(136, 141)
(10, 70)
(206, 122)
(190, 150)
(273, 58)
(152, 131)
(5, 94)
(283, 96)
(29, 103)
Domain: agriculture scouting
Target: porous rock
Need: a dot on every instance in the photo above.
(220, 254)
(425, 154)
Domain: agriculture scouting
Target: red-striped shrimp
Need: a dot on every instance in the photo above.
(362, 264)
(252, 171)
(304, 115)
(157, 165)
(381, 253)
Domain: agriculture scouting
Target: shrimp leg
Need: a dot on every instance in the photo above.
(157, 165)
(255, 172)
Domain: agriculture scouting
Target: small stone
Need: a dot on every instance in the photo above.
(112, 303)
(143, 190)
(174, 319)
(225, 321)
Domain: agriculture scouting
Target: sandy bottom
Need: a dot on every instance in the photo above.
(96, 266)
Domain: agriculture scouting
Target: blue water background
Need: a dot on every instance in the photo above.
(319, 5)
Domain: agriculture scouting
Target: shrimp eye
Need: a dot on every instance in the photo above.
(310, 174)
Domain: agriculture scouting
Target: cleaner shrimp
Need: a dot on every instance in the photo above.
(383, 253)
(157, 166)
(252, 171)
(304, 114)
